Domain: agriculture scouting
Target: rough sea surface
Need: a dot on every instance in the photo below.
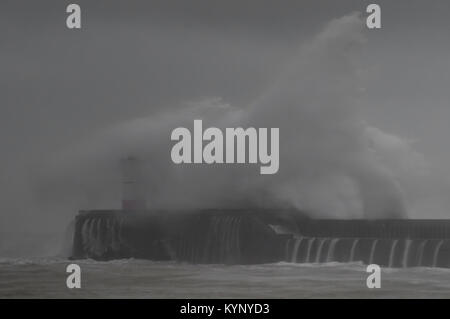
(46, 278)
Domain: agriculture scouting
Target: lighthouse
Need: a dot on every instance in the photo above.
(132, 184)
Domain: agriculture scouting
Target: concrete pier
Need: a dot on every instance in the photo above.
(252, 236)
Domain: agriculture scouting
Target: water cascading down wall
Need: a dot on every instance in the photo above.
(389, 243)
(254, 236)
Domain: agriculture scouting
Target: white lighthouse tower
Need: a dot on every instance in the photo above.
(132, 184)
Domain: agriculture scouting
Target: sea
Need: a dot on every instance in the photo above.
(46, 277)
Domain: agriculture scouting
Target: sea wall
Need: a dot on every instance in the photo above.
(195, 237)
(253, 236)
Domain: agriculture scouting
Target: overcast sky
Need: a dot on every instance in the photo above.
(135, 58)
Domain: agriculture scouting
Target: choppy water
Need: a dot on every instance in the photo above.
(46, 278)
